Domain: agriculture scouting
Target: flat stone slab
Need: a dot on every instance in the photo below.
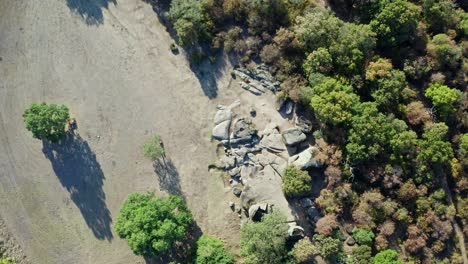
(293, 136)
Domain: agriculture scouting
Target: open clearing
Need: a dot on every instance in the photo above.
(110, 63)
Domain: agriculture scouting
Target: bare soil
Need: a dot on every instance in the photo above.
(110, 62)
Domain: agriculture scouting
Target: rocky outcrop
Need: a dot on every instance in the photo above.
(257, 81)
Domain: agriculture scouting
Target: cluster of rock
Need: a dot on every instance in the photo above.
(255, 161)
(257, 81)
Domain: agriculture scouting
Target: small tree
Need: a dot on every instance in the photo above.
(46, 122)
(303, 251)
(443, 98)
(296, 182)
(265, 241)
(152, 148)
(152, 225)
(388, 256)
(328, 247)
(363, 236)
(211, 251)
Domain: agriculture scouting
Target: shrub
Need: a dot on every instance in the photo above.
(211, 251)
(265, 241)
(327, 247)
(189, 20)
(296, 182)
(363, 236)
(46, 122)
(152, 148)
(388, 256)
(303, 251)
(152, 225)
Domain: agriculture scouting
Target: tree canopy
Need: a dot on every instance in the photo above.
(46, 121)
(152, 225)
(265, 241)
(211, 251)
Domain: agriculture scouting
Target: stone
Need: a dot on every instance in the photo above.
(243, 128)
(305, 159)
(293, 136)
(303, 124)
(228, 162)
(237, 192)
(222, 115)
(256, 211)
(350, 241)
(249, 171)
(273, 142)
(280, 103)
(234, 172)
(221, 130)
(306, 202)
(288, 107)
(232, 205)
(313, 214)
(295, 231)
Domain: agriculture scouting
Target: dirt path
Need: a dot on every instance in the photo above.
(111, 64)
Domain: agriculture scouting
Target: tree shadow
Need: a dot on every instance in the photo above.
(90, 10)
(79, 172)
(206, 64)
(168, 176)
(169, 181)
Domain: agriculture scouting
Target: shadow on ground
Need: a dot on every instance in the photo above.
(90, 10)
(79, 172)
(207, 69)
(168, 176)
(169, 181)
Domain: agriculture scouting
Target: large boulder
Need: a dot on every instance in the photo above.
(272, 140)
(293, 136)
(303, 124)
(221, 130)
(305, 159)
(222, 115)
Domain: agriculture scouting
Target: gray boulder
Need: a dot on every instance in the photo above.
(303, 124)
(221, 130)
(222, 115)
(305, 159)
(243, 128)
(293, 136)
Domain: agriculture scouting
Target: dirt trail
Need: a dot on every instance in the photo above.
(110, 63)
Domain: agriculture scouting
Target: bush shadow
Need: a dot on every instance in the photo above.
(79, 172)
(90, 10)
(168, 176)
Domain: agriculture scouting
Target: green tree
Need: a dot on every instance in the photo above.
(439, 14)
(388, 256)
(152, 148)
(403, 146)
(369, 133)
(464, 143)
(433, 147)
(360, 255)
(303, 251)
(443, 98)
(296, 182)
(445, 51)
(265, 241)
(388, 90)
(211, 251)
(319, 61)
(363, 236)
(318, 28)
(333, 101)
(190, 21)
(353, 46)
(152, 225)
(396, 23)
(46, 121)
(328, 247)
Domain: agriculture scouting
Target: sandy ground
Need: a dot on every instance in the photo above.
(110, 63)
